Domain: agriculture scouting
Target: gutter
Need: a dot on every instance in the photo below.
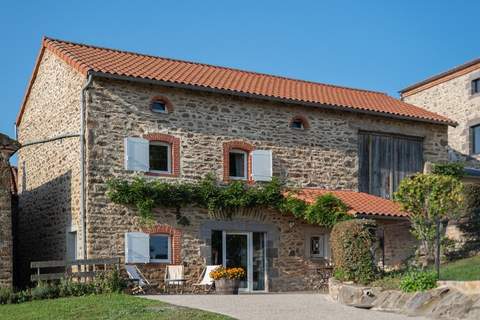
(267, 98)
(83, 102)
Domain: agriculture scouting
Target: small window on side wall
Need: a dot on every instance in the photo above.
(238, 164)
(476, 86)
(476, 139)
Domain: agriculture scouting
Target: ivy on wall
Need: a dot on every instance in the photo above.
(222, 201)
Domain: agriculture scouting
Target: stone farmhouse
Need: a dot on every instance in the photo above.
(454, 93)
(158, 118)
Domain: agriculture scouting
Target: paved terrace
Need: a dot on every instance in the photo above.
(280, 306)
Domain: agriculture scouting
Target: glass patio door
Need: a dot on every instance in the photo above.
(246, 250)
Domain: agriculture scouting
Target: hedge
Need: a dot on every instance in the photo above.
(352, 242)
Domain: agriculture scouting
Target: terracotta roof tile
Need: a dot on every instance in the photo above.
(360, 203)
(86, 58)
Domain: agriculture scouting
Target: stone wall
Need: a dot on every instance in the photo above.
(6, 240)
(454, 99)
(289, 266)
(325, 155)
(49, 173)
(7, 210)
(399, 244)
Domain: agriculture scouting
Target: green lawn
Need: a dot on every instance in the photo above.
(111, 306)
(461, 270)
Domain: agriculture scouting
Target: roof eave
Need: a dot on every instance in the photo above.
(268, 98)
(439, 76)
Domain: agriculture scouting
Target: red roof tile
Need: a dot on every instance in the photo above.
(87, 58)
(360, 203)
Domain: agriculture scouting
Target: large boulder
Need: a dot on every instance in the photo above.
(391, 301)
(454, 305)
(474, 313)
(422, 303)
(358, 296)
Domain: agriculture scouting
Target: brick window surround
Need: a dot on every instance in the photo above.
(176, 240)
(175, 149)
(239, 145)
(164, 100)
(301, 118)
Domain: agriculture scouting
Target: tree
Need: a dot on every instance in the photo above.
(430, 199)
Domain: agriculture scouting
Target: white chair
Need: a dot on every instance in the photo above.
(205, 280)
(174, 277)
(141, 283)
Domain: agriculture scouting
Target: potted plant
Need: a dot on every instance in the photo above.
(227, 280)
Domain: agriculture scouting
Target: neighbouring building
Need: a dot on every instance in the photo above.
(455, 94)
(7, 209)
(174, 120)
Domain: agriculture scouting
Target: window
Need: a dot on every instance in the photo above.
(159, 107)
(384, 160)
(476, 139)
(160, 157)
(72, 245)
(238, 164)
(299, 122)
(319, 246)
(160, 247)
(476, 86)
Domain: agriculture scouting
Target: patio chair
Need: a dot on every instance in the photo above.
(174, 277)
(205, 281)
(140, 282)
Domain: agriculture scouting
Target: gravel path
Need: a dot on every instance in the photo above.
(289, 306)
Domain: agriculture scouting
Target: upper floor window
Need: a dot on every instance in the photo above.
(160, 157)
(242, 162)
(384, 160)
(238, 164)
(156, 153)
(160, 104)
(476, 86)
(299, 122)
(476, 139)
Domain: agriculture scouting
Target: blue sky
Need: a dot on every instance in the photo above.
(377, 45)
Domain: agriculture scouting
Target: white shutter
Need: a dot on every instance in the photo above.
(137, 247)
(136, 154)
(262, 165)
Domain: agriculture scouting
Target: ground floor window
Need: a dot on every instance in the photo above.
(319, 246)
(160, 248)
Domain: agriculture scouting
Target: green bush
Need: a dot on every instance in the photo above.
(45, 290)
(21, 296)
(352, 242)
(453, 169)
(5, 295)
(110, 282)
(415, 281)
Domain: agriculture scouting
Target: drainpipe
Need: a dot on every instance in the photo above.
(83, 223)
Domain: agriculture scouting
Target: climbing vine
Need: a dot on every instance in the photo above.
(327, 210)
(221, 201)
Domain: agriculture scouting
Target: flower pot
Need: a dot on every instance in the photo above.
(227, 286)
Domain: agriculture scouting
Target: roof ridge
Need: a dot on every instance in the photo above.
(440, 75)
(216, 66)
